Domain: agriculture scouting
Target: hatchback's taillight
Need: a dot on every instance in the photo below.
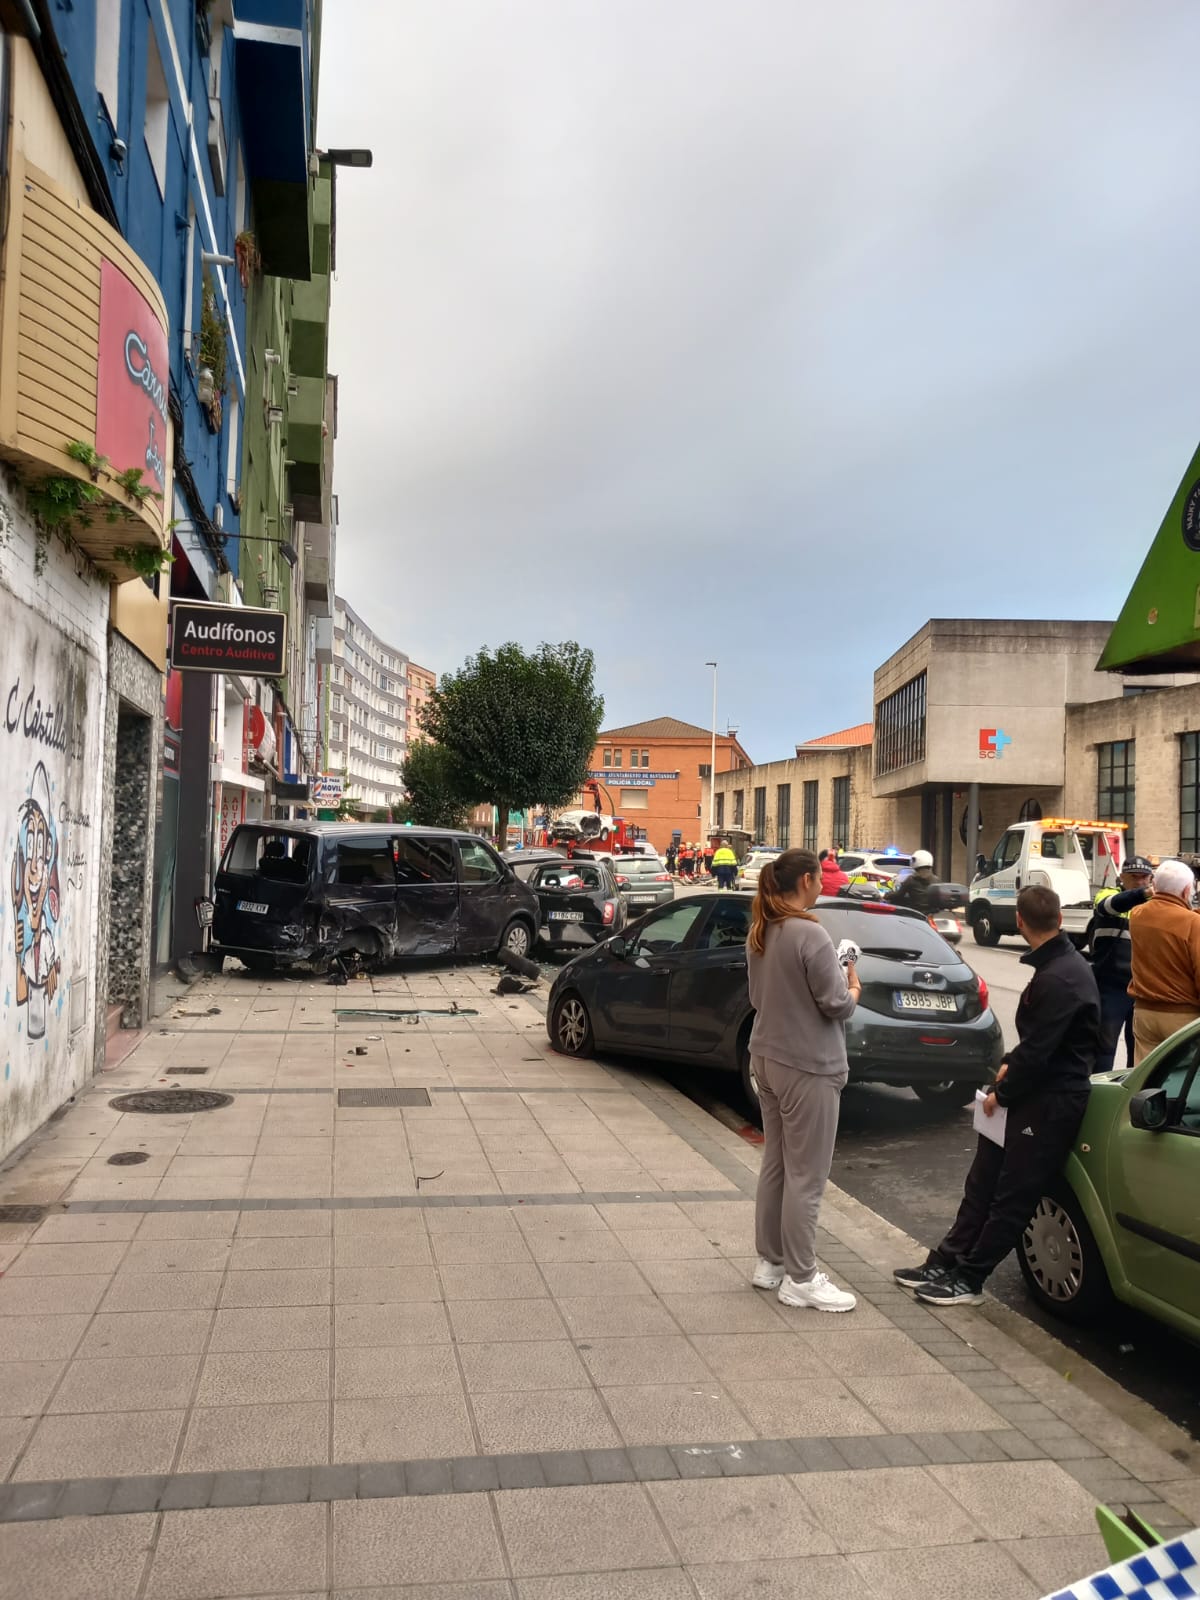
(610, 911)
(662, 877)
(983, 993)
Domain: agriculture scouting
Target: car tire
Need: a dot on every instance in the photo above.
(1061, 1261)
(254, 962)
(749, 1081)
(950, 1093)
(984, 928)
(571, 1026)
(517, 940)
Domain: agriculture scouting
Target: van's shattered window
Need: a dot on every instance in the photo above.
(423, 859)
(365, 863)
(283, 856)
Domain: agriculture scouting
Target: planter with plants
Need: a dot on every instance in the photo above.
(69, 507)
(249, 261)
(212, 354)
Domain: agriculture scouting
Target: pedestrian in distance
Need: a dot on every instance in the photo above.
(724, 865)
(1164, 959)
(802, 997)
(916, 890)
(1043, 1086)
(672, 857)
(832, 876)
(1111, 948)
(685, 861)
(709, 852)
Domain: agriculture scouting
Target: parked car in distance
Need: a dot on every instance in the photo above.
(749, 869)
(673, 986)
(1123, 1220)
(291, 893)
(579, 903)
(526, 862)
(644, 882)
(875, 865)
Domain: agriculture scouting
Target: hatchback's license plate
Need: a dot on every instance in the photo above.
(564, 916)
(256, 906)
(919, 1000)
(640, 899)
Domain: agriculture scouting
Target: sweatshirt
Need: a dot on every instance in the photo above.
(1166, 955)
(800, 997)
(1058, 1025)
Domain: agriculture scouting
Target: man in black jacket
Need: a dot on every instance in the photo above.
(1043, 1087)
(1112, 956)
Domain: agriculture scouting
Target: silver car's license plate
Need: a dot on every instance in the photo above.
(919, 1000)
(256, 906)
(640, 899)
(564, 916)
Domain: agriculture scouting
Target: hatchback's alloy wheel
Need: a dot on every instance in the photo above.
(573, 1025)
(1054, 1251)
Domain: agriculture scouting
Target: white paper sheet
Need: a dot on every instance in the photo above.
(990, 1127)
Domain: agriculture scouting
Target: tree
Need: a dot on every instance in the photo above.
(517, 728)
(435, 797)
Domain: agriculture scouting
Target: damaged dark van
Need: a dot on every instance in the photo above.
(302, 893)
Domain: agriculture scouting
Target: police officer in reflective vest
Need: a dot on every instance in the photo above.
(1111, 955)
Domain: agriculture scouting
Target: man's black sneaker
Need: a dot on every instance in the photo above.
(917, 1277)
(951, 1289)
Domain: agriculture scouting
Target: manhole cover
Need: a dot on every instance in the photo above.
(177, 1102)
(22, 1213)
(128, 1158)
(383, 1097)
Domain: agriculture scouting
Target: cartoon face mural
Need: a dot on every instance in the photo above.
(36, 905)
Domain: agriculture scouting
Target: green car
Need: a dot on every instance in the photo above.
(1124, 1219)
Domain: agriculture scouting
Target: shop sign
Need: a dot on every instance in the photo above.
(131, 379)
(327, 789)
(234, 639)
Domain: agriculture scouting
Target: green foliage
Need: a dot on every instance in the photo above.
(435, 790)
(518, 727)
(57, 502)
(145, 562)
(131, 481)
(88, 456)
(213, 338)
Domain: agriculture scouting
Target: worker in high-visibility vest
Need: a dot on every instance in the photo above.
(724, 865)
(1112, 955)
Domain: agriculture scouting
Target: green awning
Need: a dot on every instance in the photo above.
(1159, 626)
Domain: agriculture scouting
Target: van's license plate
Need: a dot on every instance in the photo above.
(557, 916)
(256, 906)
(919, 1000)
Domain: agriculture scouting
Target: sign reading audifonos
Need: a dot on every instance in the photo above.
(131, 379)
(240, 639)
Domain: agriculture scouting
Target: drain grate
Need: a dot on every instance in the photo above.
(22, 1213)
(186, 1072)
(383, 1097)
(128, 1158)
(166, 1102)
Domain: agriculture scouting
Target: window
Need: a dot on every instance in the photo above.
(365, 863)
(1189, 793)
(158, 113)
(645, 758)
(900, 938)
(729, 926)
(424, 859)
(617, 758)
(666, 930)
(252, 849)
(190, 337)
(337, 702)
(233, 455)
(811, 798)
(478, 864)
(705, 770)
(635, 799)
(721, 810)
(739, 808)
(1115, 785)
(108, 56)
(760, 816)
(607, 762)
(900, 727)
(841, 810)
(783, 815)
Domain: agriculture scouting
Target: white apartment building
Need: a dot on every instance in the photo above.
(368, 711)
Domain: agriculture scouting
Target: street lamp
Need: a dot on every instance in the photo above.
(712, 769)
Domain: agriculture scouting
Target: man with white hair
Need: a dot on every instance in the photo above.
(1165, 936)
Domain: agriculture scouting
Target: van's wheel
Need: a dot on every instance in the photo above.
(1061, 1261)
(949, 1092)
(517, 938)
(571, 1026)
(984, 928)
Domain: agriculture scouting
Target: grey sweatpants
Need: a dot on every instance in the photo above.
(800, 1119)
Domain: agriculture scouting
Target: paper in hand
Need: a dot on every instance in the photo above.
(848, 952)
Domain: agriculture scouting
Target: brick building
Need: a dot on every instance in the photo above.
(421, 684)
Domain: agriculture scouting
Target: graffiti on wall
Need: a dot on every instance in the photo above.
(37, 905)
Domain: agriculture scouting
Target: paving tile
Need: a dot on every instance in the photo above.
(430, 1540)
(258, 1377)
(275, 1328)
(590, 1529)
(462, 1219)
(41, 1338)
(391, 1370)
(13, 1433)
(305, 1251)
(109, 1444)
(415, 1322)
(663, 1358)
(55, 1260)
(397, 1429)
(551, 1419)
(512, 1280)
(665, 1244)
(620, 1316)
(984, 1571)
(485, 1248)
(163, 1291)
(664, 1583)
(759, 1355)
(522, 1364)
(293, 1223)
(250, 1550)
(126, 1383)
(1057, 1560)
(25, 1386)
(1020, 1499)
(869, 1352)
(150, 1333)
(717, 1276)
(587, 1244)
(814, 1577)
(784, 1408)
(75, 1559)
(231, 1438)
(39, 1297)
(188, 1225)
(676, 1413)
(892, 1508)
(739, 1519)
(924, 1401)
(85, 1227)
(726, 1313)
(608, 1279)
(491, 1321)
(177, 1255)
(295, 1287)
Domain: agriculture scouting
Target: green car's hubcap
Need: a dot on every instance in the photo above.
(1053, 1251)
(572, 1025)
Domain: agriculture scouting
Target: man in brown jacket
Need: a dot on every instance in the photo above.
(1165, 936)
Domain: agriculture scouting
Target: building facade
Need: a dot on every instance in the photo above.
(421, 684)
(368, 712)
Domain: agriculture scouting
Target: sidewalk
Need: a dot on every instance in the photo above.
(500, 1346)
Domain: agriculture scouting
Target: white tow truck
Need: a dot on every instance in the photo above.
(1076, 859)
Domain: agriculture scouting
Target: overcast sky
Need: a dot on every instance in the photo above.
(759, 329)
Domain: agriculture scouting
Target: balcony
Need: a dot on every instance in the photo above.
(275, 82)
(318, 571)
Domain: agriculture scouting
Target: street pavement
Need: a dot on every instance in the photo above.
(500, 1344)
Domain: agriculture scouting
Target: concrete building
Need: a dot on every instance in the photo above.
(655, 773)
(368, 712)
(421, 684)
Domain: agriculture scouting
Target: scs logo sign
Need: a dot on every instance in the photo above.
(993, 742)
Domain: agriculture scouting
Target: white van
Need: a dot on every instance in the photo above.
(1076, 859)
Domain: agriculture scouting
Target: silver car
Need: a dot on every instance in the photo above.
(644, 882)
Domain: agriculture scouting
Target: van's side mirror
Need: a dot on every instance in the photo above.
(618, 948)
(981, 864)
(1149, 1109)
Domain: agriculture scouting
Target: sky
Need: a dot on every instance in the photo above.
(756, 330)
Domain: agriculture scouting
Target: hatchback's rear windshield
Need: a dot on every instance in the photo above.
(638, 866)
(886, 932)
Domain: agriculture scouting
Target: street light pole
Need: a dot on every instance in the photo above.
(712, 770)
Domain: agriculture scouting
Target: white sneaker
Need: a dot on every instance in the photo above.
(818, 1294)
(767, 1275)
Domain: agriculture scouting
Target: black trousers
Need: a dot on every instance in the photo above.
(1005, 1184)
